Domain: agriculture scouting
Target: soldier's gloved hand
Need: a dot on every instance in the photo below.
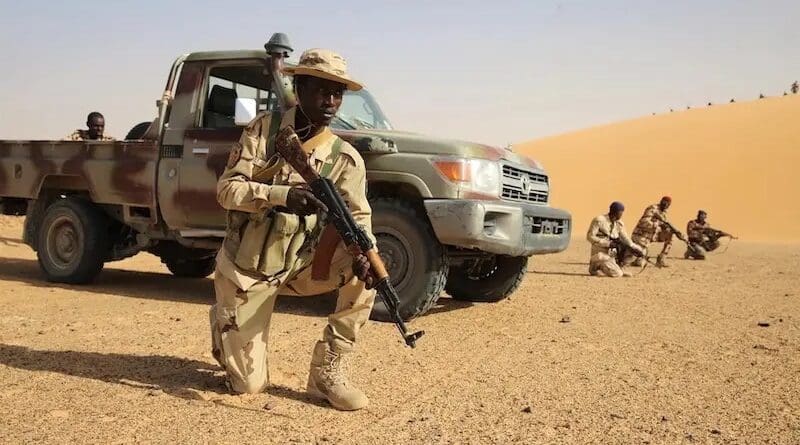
(361, 270)
(302, 202)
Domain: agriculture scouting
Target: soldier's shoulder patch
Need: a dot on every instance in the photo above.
(234, 155)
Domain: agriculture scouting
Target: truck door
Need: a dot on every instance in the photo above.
(208, 143)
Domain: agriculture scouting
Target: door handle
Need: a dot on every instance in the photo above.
(200, 151)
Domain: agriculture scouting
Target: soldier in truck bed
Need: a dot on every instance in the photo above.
(96, 124)
(272, 233)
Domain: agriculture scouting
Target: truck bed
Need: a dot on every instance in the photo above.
(113, 172)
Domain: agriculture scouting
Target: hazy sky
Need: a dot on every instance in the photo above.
(493, 72)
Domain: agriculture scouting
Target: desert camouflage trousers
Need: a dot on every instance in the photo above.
(240, 319)
(660, 236)
(603, 264)
(701, 248)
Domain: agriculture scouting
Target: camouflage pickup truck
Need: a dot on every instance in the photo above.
(448, 215)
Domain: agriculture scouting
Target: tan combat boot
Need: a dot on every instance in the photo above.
(660, 261)
(327, 379)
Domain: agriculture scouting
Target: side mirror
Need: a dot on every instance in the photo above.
(245, 110)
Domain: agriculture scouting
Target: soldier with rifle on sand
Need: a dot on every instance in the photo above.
(285, 179)
(653, 227)
(702, 237)
(610, 243)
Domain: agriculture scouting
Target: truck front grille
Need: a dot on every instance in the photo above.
(512, 172)
(548, 226)
(524, 186)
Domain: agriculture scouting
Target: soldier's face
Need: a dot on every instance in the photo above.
(616, 216)
(665, 205)
(701, 217)
(320, 99)
(96, 127)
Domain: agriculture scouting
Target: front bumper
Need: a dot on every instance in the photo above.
(500, 227)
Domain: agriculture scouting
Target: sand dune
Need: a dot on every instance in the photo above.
(737, 161)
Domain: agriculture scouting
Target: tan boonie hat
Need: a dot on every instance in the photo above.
(326, 64)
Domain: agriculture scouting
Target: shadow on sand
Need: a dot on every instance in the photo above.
(165, 287)
(175, 376)
(178, 377)
(155, 286)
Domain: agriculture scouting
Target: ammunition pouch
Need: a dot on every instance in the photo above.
(269, 242)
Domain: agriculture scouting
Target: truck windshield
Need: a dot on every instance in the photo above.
(359, 110)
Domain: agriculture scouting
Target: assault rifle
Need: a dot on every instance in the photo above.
(622, 250)
(355, 238)
(715, 234)
(678, 234)
(287, 144)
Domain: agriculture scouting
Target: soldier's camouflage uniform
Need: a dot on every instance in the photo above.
(268, 252)
(603, 259)
(649, 229)
(83, 135)
(697, 234)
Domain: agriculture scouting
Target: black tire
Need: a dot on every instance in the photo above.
(417, 263)
(72, 241)
(494, 280)
(137, 131)
(190, 268)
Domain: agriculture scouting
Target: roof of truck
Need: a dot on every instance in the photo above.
(232, 54)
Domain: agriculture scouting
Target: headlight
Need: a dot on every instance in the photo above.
(480, 176)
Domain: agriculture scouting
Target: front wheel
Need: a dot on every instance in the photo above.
(487, 279)
(416, 261)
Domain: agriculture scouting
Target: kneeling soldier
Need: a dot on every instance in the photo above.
(702, 238)
(272, 233)
(609, 242)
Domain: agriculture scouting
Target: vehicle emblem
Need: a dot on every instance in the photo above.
(526, 184)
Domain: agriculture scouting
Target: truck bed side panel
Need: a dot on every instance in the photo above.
(112, 172)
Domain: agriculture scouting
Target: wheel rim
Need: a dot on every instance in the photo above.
(395, 251)
(64, 242)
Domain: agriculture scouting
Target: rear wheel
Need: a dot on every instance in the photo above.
(184, 261)
(72, 241)
(414, 258)
(489, 279)
(190, 268)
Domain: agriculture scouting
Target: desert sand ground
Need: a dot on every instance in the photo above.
(669, 356)
(737, 161)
